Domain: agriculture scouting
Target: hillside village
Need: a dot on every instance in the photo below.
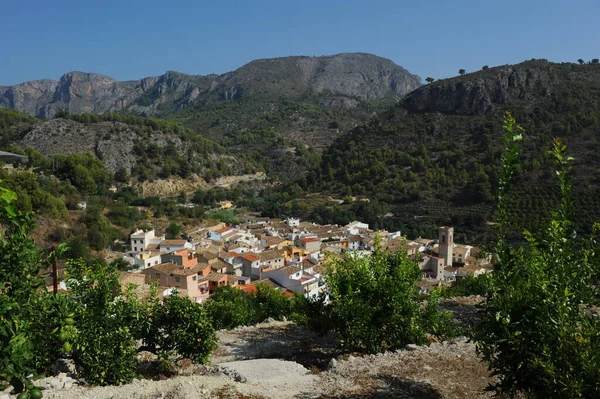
(287, 255)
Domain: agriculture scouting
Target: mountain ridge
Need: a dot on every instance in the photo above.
(359, 75)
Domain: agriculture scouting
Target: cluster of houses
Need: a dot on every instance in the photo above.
(285, 254)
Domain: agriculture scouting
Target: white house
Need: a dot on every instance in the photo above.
(292, 222)
(295, 279)
(141, 240)
(355, 227)
(147, 259)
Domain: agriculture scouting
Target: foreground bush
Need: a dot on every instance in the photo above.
(539, 332)
(107, 325)
(29, 315)
(375, 305)
(230, 307)
(468, 286)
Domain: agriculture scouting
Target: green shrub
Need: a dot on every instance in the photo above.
(375, 305)
(468, 286)
(28, 313)
(538, 332)
(182, 326)
(230, 307)
(270, 302)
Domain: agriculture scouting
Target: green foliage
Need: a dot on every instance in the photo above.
(225, 216)
(108, 325)
(173, 231)
(424, 159)
(230, 307)
(85, 171)
(538, 333)
(269, 302)
(104, 348)
(375, 305)
(468, 286)
(27, 311)
(13, 126)
(182, 326)
(33, 193)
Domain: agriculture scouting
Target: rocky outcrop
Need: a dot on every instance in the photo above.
(476, 94)
(112, 142)
(362, 76)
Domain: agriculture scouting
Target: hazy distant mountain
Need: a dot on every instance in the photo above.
(346, 78)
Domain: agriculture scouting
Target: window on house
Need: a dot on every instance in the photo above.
(177, 279)
(157, 275)
(156, 262)
(194, 278)
(149, 264)
(443, 238)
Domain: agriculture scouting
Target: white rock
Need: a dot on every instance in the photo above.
(5, 396)
(56, 383)
(68, 385)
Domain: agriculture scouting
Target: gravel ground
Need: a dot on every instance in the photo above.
(248, 365)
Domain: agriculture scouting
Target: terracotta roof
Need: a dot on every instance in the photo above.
(223, 230)
(247, 288)
(273, 240)
(250, 257)
(459, 250)
(309, 239)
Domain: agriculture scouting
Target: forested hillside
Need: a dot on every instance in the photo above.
(433, 158)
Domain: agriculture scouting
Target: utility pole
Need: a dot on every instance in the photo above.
(54, 271)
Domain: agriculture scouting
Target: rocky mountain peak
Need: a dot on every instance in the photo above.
(356, 75)
(476, 93)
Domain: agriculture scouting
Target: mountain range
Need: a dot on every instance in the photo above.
(424, 155)
(345, 77)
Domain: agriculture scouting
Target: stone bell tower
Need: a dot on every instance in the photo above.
(446, 238)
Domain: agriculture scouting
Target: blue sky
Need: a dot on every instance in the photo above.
(129, 39)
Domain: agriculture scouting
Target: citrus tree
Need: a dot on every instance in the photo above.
(375, 304)
(540, 332)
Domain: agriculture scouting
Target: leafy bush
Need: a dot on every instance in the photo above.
(182, 326)
(270, 302)
(468, 286)
(230, 307)
(108, 325)
(104, 349)
(375, 305)
(539, 333)
(27, 311)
